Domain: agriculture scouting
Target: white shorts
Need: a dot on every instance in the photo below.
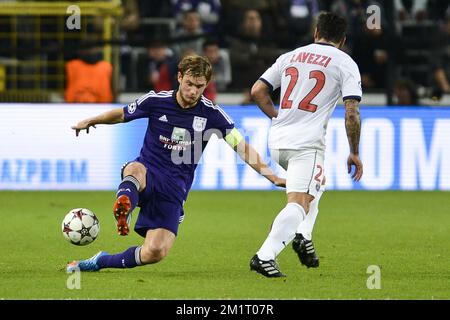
(304, 169)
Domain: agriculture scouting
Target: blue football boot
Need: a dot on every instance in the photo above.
(86, 265)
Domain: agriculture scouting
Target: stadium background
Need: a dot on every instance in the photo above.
(401, 48)
(404, 146)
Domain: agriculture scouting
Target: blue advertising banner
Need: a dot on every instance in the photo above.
(402, 148)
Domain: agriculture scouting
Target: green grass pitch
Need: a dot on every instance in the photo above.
(406, 234)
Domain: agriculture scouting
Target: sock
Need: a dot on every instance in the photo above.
(307, 225)
(129, 186)
(282, 232)
(130, 258)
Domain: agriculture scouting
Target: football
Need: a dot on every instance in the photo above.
(80, 226)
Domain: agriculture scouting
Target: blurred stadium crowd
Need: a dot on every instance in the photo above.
(407, 58)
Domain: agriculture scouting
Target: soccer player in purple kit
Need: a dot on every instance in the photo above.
(158, 181)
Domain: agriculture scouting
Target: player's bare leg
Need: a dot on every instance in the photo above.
(157, 244)
(134, 181)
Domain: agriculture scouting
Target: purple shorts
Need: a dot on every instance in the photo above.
(160, 203)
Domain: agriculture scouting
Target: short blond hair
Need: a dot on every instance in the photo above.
(196, 66)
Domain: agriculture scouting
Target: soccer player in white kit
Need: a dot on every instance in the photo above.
(312, 79)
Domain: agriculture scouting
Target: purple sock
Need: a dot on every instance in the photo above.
(129, 186)
(130, 258)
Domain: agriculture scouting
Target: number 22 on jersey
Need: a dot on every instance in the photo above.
(305, 104)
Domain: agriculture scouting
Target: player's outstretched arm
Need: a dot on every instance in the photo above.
(109, 117)
(353, 128)
(260, 93)
(254, 160)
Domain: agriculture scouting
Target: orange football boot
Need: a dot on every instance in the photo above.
(122, 214)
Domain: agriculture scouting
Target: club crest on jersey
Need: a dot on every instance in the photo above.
(132, 107)
(199, 123)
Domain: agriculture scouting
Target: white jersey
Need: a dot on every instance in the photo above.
(312, 79)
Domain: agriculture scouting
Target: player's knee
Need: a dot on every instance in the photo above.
(301, 199)
(304, 205)
(306, 208)
(153, 253)
(307, 204)
(138, 171)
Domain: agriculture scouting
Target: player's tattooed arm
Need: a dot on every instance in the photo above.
(109, 117)
(352, 124)
(353, 129)
(260, 94)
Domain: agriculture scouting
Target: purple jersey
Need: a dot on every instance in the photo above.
(176, 137)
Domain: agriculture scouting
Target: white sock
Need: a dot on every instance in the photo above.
(282, 232)
(307, 225)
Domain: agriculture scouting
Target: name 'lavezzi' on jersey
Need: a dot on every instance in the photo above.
(311, 78)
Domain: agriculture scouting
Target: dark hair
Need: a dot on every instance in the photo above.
(210, 42)
(186, 12)
(408, 85)
(331, 27)
(157, 42)
(196, 66)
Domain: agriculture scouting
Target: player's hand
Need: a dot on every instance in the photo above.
(353, 160)
(83, 125)
(280, 182)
